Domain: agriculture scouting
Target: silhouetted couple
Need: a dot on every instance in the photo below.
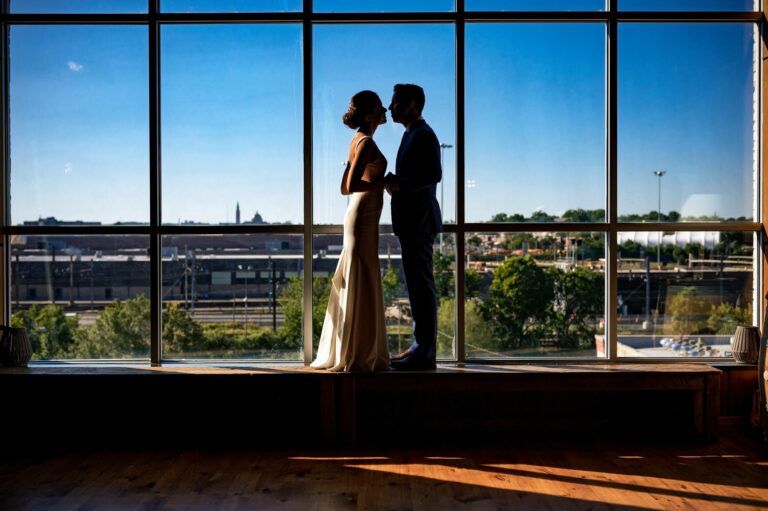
(354, 337)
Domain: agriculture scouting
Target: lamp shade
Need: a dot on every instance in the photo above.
(746, 344)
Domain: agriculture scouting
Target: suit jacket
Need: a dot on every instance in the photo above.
(415, 210)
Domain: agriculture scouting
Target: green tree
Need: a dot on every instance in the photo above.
(474, 241)
(291, 300)
(515, 241)
(473, 283)
(578, 302)
(445, 281)
(181, 333)
(390, 285)
(541, 216)
(584, 215)
(479, 336)
(630, 249)
(724, 318)
(651, 216)
(51, 332)
(689, 312)
(518, 303)
(121, 330)
(592, 247)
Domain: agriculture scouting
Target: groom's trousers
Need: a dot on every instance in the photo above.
(420, 279)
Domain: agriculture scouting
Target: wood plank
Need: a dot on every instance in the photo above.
(731, 475)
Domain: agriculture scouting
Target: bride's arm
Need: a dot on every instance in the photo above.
(344, 189)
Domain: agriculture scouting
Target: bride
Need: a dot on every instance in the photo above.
(353, 336)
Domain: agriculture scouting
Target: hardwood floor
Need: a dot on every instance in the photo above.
(730, 475)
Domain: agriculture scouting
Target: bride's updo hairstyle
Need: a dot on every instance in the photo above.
(363, 103)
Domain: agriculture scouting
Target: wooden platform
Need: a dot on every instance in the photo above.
(551, 475)
(297, 406)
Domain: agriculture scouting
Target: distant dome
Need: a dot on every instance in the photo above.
(257, 219)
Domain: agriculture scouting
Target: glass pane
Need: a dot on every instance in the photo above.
(383, 5)
(535, 5)
(393, 54)
(397, 310)
(687, 5)
(82, 297)
(78, 6)
(232, 124)
(233, 296)
(687, 140)
(683, 294)
(230, 5)
(79, 125)
(534, 294)
(535, 122)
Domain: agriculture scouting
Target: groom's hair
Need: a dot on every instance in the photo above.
(408, 92)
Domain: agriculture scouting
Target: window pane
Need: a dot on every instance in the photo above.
(687, 140)
(535, 5)
(683, 294)
(82, 297)
(230, 5)
(535, 122)
(383, 5)
(397, 314)
(534, 294)
(687, 5)
(78, 6)
(393, 54)
(232, 123)
(79, 124)
(233, 296)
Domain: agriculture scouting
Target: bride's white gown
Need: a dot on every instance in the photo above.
(354, 337)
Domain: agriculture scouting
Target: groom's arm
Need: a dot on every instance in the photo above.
(420, 168)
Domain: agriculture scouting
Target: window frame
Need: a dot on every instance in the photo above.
(460, 17)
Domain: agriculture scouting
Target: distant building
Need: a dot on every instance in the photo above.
(237, 214)
(256, 220)
(51, 220)
(708, 239)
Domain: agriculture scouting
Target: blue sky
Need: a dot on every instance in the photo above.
(535, 121)
(232, 113)
(232, 116)
(133, 6)
(350, 58)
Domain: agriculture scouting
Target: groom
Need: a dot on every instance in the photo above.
(416, 220)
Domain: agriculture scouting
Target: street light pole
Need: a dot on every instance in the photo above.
(443, 147)
(245, 304)
(659, 174)
(246, 269)
(274, 294)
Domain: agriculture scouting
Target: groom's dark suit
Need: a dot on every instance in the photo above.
(416, 220)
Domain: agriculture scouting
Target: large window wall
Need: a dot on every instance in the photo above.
(172, 169)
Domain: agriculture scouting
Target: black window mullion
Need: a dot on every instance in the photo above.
(308, 183)
(611, 291)
(6, 168)
(459, 237)
(155, 216)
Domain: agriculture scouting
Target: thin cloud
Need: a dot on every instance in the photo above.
(74, 66)
(67, 168)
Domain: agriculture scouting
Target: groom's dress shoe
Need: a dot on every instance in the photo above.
(414, 362)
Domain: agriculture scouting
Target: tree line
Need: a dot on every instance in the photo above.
(522, 304)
